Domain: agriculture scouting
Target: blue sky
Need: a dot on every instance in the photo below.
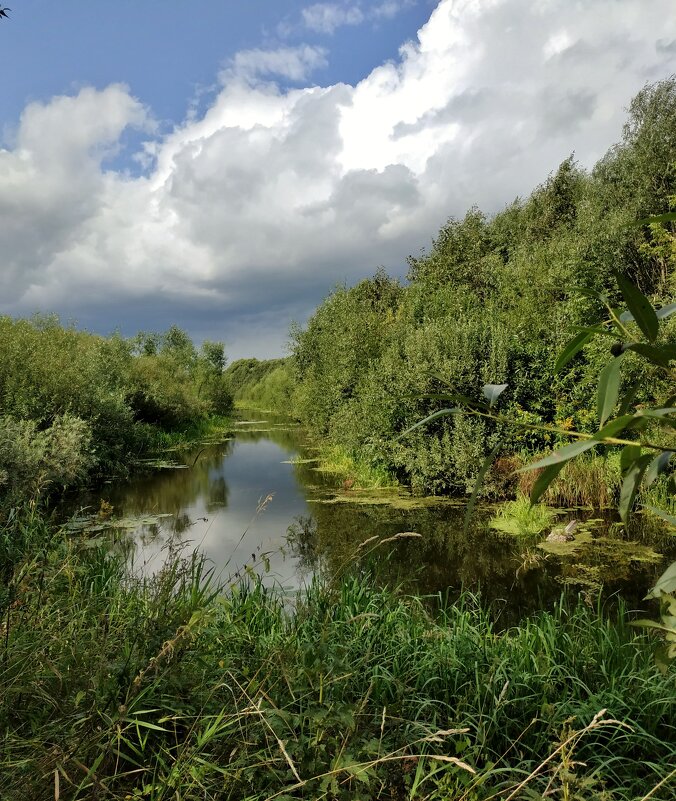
(169, 53)
(222, 166)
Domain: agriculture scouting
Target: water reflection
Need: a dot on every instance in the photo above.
(237, 499)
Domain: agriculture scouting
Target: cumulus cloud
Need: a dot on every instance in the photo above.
(247, 215)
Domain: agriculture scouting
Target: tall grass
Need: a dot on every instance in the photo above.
(353, 470)
(592, 481)
(520, 518)
(116, 686)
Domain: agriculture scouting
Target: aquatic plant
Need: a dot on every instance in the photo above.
(523, 519)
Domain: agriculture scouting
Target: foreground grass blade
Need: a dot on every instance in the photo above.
(640, 307)
(488, 461)
(609, 389)
(562, 455)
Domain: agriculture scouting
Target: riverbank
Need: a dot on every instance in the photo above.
(134, 688)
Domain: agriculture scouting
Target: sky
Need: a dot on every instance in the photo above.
(222, 165)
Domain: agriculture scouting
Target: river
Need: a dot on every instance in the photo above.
(257, 502)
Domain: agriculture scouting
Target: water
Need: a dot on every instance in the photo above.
(257, 502)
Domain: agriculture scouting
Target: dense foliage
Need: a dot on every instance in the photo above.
(490, 303)
(74, 403)
(261, 384)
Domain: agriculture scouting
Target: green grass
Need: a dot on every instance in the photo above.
(519, 518)
(196, 431)
(352, 470)
(175, 688)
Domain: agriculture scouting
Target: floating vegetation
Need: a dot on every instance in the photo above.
(93, 523)
(388, 496)
(570, 547)
(300, 461)
(163, 464)
(249, 422)
(606, 550)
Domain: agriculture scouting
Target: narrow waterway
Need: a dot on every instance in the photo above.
(257, 501)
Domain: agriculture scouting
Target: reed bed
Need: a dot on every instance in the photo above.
(175, 687)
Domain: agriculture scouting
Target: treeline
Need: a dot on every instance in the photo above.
(261, 384)
(492, 301)
(73, 404)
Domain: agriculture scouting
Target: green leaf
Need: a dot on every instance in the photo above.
(657, 466)
(630, 485)
(434, 396)
(571, 349)
(665, 311)
(488, 461)
(628, 455)
(614, 426)
(597, 329)
(492, 392)
(651, 624)
(455, 397)
(640, 307)
(655, 355)
(562, 455)
(544, 480)
(670, 216)
(629, 398)
(661, 411)
(591, 293)
(429, 418)
(669, 518)
(666, 583)
(609, 388)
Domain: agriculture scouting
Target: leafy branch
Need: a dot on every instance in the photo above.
(618, 419)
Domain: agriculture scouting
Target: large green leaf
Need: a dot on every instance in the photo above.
(665, 311)
(574, 346)
(657, 466)
(544, 480)
(670, 216)
(640, 307)
(628, 455)
(591, 293)
(629, 397)
(609, 388)
(488, 461)
(597, 330)
(614, 426)
(656, 355)
(666, 583)
(631, 483)
(666, 517)
(563, 455)
(661, 411)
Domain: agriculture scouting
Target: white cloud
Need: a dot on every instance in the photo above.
(248, 215)
(326, 17)
(388, 9)
(293, 63)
